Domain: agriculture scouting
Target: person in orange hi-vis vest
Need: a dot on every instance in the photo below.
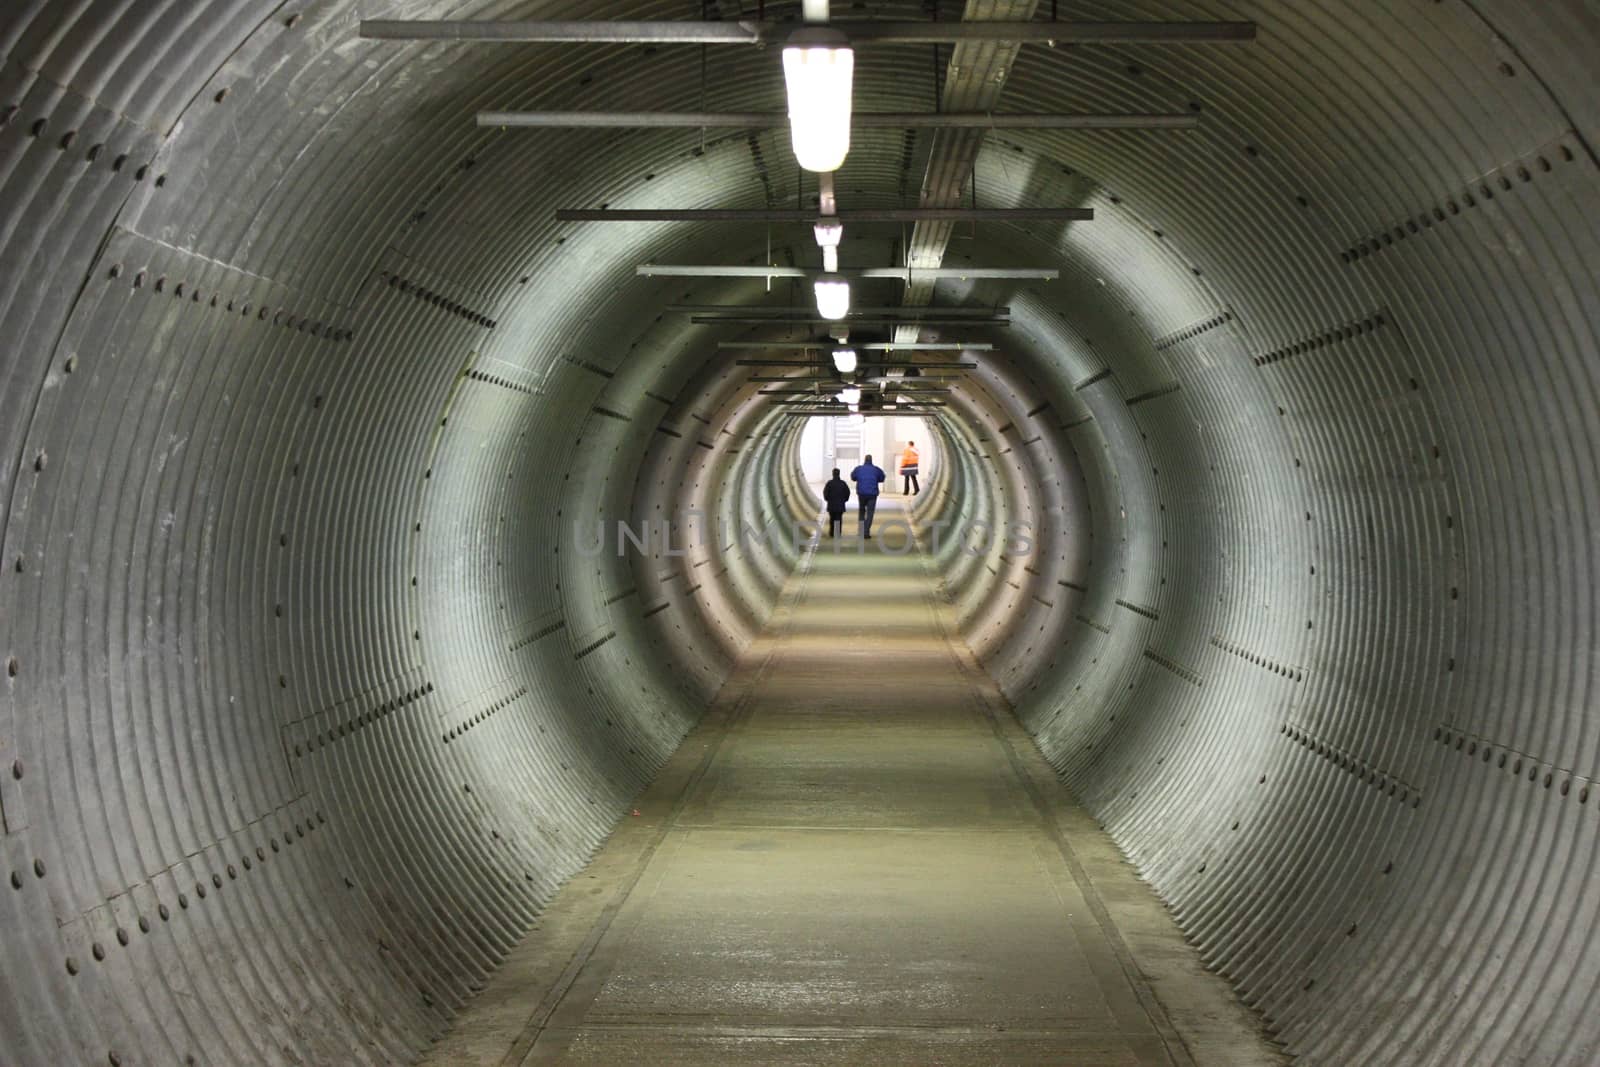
(908, 469)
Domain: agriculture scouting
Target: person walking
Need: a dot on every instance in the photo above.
(869, 477)
(908, 469)
(835, 494)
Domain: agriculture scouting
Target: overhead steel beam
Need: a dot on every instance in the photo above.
(750, 32)
(810, 311)
(1004, 32)
(884, 346)
(893, 120)
(871, 385)
(539, 31)
(876, 389)
(800, 403)
(679, 270)
(730, 320)
(836, 380)
(875, 413)
(862, 215)
(807, 363)
(871, 346)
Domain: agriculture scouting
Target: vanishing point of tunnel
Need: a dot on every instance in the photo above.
(425, 640)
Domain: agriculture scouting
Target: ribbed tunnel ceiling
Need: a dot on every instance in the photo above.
(312, 700)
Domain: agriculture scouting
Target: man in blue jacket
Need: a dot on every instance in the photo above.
(868, 478)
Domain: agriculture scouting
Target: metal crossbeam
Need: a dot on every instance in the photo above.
(835, 380)
(801, 403)
(873, 346)
(807, 363)
(870, 120)
(876, 413)
(729, 320)
(750, 32)
(879, 390)
(680, 270)
(809, 311)
(863, 215)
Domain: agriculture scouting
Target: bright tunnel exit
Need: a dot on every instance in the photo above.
(844, 441)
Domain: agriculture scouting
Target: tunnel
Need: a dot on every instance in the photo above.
(317, 695)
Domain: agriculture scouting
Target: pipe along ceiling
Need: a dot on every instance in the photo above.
(311, 699)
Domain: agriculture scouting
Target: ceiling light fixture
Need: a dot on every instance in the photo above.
(818, 71)
(844, 360)
(833, 296)
(850, 394)
(829, 232)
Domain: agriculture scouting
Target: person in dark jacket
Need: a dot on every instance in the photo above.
(869, 477)
(836, 494)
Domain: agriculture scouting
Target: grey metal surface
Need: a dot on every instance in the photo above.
(311, 700)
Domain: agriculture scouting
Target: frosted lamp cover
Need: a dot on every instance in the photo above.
(819, 78)
(833, 297)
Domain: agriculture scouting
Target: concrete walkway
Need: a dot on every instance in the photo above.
(858, 857)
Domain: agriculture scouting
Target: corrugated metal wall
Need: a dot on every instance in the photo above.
(312, 694)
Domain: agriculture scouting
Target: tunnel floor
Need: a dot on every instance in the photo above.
(858, 856)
